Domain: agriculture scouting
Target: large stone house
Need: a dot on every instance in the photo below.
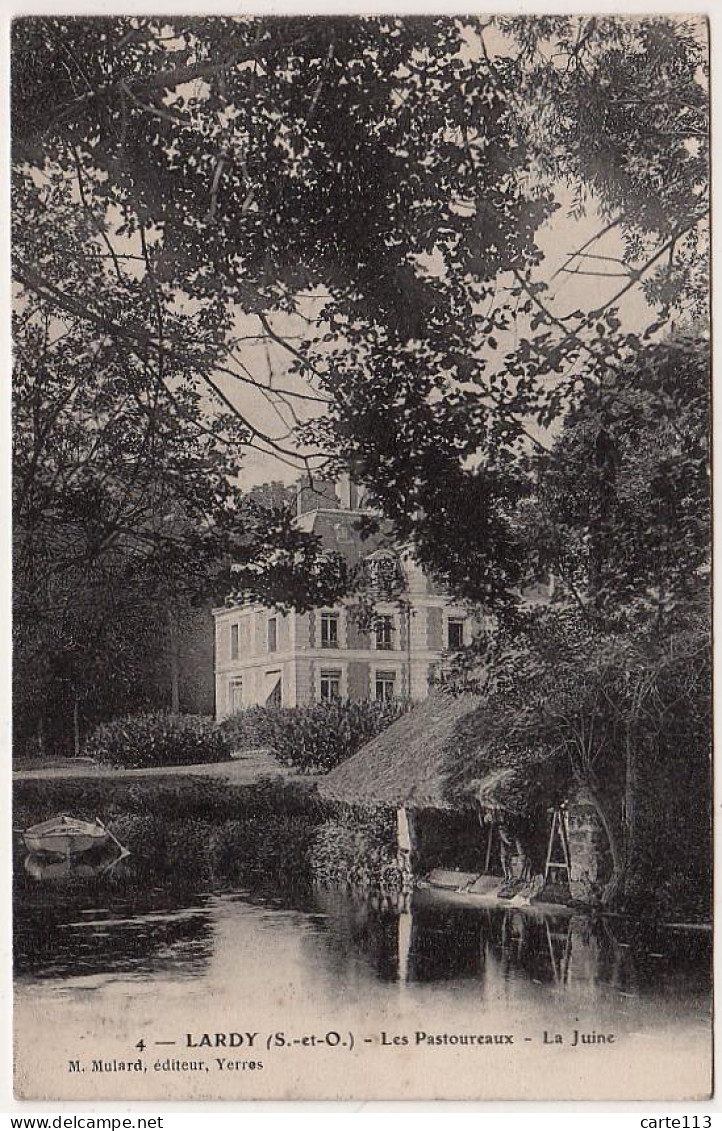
(263, 656)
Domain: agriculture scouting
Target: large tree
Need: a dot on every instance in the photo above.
(208, 156)
(346, 217)
(620, 513)
(610, 677)
(126, 506)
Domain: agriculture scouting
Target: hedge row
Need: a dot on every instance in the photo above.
(316, 738)
(158, 739)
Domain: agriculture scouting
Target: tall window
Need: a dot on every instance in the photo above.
(329, 630)
(456, 633)
(384, 633)
(330, 685)
(274, 694)
(272, 634)
(235, 695)
(234, 641)
(385, 686)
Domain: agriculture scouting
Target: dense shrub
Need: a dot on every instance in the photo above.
(314, 738)
(262, 852)
(172, 797)
(159, 739)
(188, 833)
(250, 729)
(356, 847)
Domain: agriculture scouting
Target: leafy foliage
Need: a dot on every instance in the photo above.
(251, 728)
(588, 689)
(621, 515)
(356, 847)
(202, 179)
(202, 164)
(316, 738)
(158, 739)
(176, 796)
(624, 717)
(191, 833)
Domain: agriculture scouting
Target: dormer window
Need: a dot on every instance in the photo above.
(383, 572)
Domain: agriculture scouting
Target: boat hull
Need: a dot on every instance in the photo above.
(64, 844)
(65, 836)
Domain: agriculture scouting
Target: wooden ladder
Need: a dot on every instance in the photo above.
(562, 868)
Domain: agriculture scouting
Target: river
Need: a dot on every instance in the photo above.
(331, 993)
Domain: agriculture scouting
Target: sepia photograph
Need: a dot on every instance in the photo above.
(361, 553)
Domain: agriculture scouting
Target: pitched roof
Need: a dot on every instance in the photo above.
(439, 755)
(408, 763)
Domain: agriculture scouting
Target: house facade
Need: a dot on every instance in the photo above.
(263, 656)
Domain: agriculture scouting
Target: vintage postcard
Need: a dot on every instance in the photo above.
(361, 554)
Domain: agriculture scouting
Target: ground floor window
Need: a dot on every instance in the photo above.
(330, 685)
(235, 695)
(273, 689)
(385, 686)
(456, 633)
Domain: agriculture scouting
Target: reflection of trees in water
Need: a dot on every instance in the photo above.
(359, 928)
(638, 959)
(496, 943)
(64, 933)
(445, 945)
(402, 940)
(427, 944)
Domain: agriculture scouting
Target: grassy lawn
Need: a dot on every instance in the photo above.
(244, 769)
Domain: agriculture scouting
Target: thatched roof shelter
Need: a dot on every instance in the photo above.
(439, 756)
(408, 763)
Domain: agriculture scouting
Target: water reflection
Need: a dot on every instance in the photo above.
(510, 954)
(335, 945)
(108, 960)
(53, 940)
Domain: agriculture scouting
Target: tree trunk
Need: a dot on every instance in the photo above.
(174, 662)
(630, 799)
(614, 884)
(76, 725)
(41, 735)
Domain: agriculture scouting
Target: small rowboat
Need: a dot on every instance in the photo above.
(66, 836)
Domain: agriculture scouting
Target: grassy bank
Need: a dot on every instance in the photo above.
(204, 833)
(167, 795)
(190, 832)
